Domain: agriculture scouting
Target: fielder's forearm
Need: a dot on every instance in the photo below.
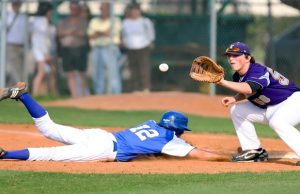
(240, 87)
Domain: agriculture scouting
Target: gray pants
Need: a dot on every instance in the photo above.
(139, 64)
(15, 64)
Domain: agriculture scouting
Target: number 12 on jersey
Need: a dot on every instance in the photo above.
(143, 132)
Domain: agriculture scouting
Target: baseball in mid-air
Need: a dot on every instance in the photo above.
(163, 67)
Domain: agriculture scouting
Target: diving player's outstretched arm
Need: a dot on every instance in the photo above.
(207, 155)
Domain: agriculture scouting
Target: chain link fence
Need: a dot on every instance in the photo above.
(270, 27)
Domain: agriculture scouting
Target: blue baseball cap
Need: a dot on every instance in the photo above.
(238, 48)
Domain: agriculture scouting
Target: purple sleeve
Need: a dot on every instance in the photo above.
(258, 74)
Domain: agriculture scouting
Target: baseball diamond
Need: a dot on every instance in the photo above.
(16, 136)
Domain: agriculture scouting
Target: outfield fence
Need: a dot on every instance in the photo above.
(186, 29)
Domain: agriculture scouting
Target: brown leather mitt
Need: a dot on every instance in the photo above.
(204, 69)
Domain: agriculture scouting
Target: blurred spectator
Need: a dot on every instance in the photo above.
(137, 37)
(86, 12)
(44, 50)
(73, 49)
(87, 15)
(123, 60)
(104, 34)
(16, 39)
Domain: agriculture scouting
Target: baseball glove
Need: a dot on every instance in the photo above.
(204, 69)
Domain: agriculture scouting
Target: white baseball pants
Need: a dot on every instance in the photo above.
(281, 117)
(82, 145)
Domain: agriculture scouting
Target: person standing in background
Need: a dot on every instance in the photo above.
(16, 39)
(44, 49)
(104, 35)
(85, 11)
(137, 37)
(87, 15)
(72, 38)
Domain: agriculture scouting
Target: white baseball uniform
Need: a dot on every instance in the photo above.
(98, 144)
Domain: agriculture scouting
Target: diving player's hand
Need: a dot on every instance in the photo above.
(226, 101)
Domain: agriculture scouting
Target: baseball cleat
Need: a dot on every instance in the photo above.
(255, 155)
(2, 152)
(14, 92)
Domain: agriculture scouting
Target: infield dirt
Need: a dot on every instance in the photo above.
(19, 136)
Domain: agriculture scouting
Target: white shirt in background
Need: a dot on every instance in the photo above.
(138, 33)
(17, 31)
(42, 38)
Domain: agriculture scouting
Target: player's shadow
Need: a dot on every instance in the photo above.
(278, 161)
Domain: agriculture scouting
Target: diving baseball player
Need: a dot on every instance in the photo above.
(97, 144)
(271, 99)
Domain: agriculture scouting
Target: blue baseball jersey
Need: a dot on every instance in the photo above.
(275, 88)
(149, 138)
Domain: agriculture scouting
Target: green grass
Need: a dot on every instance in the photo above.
(245, 183)
(12, 112)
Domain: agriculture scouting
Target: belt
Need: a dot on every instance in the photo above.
(115, 146)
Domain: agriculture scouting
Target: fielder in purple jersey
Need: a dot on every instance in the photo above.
(275, 87)
(271, 99)
(97, 144)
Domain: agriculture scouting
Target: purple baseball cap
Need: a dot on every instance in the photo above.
(238, 48)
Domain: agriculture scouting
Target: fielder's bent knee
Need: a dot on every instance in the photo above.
(274, 123)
